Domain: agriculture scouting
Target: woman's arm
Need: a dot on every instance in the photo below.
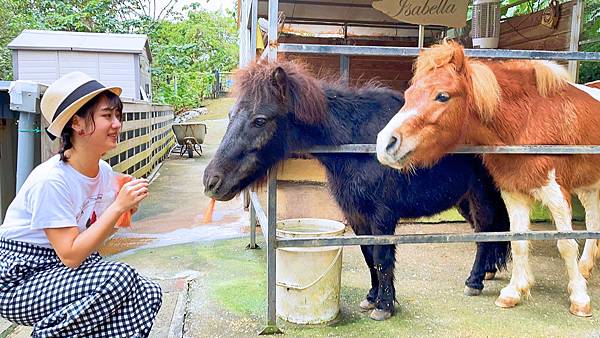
(73, 247)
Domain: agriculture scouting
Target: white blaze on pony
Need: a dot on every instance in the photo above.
(453, 100)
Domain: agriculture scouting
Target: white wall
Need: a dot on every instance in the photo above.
(118, 70)
(111, 69)
(35, 65)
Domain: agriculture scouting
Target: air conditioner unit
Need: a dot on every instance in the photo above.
(485, 28)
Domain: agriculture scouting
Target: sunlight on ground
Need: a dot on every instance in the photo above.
(217, 109)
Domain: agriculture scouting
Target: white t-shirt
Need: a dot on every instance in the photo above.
(55, 195)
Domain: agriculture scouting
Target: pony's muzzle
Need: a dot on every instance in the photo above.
(388, 144)
(213, 183)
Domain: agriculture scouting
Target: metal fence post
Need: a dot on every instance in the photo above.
(271, 327)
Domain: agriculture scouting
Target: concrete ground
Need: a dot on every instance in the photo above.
(214, 287)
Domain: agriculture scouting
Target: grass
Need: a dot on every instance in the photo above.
(217, 109)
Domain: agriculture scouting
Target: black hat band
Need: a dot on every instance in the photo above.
(78, 93)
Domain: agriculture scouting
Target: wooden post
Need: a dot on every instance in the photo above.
(576, 23)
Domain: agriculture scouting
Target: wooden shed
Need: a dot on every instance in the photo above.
(114, 59)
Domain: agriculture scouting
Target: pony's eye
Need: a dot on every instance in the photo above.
(259, 121)
(442, 97)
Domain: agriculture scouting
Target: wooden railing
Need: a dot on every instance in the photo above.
(145, 138)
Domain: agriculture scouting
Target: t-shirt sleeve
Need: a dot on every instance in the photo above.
(51, 206)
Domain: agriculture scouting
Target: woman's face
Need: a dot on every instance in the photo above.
(103, 132)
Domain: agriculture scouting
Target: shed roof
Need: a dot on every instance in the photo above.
(82, 42)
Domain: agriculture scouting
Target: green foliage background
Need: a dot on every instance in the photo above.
(187, 49)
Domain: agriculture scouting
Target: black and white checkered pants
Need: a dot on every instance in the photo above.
(99, 299)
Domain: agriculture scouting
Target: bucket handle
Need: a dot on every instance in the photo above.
(297, 287)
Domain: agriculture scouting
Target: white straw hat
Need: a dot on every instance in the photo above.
(65, 96)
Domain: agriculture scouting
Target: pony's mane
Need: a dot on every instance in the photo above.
(435, 57)
(549, 76)
(306, 97)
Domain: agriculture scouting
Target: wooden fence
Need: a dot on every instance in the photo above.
(145, 140)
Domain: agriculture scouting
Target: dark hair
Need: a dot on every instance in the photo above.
(85, 112)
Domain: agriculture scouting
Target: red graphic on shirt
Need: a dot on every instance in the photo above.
(91, 220)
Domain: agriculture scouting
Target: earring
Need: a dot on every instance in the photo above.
(81, 132)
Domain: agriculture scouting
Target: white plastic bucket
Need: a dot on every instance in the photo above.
(308, 279)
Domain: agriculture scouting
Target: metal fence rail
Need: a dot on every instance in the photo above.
(434, 238)
(414, 51)
(522, 149)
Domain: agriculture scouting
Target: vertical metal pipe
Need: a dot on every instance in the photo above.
(253, 29)
(345, 68)
(273, 23)
(421, 36)
(25, 147)
(252, 226)
(271, 257)
(271, 254)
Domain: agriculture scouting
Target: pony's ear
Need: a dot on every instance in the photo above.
(458, 57)
(280, 81)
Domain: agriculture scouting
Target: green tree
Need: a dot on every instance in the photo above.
(188, 51)
(590, 71)
(185, 50)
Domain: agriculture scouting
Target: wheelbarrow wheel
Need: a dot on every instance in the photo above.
(190, 152)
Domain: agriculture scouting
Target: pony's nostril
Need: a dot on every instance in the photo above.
(214, 183)
(393, 144)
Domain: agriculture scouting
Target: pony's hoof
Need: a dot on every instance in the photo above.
(581, 310)
(378, 314)
(506, 302)
(469, 291)
(489, 275)
(366, 305)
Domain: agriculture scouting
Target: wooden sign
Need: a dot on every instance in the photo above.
(451, 13)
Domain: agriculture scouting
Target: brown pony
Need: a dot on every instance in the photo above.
(454, 100)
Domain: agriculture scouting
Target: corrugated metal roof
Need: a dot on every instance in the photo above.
(78, 41)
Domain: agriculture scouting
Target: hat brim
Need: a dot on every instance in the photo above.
(65, 116)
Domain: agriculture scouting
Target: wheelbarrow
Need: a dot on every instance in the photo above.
(189, 137)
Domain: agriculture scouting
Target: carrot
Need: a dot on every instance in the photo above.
(125, 219)
(209, 211)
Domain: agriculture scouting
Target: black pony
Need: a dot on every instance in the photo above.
(280, 108)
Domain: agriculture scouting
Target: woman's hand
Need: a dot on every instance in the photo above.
(131, 194)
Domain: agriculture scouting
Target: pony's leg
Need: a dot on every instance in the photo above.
(474, 283)
(369, 302)
(518, 207)
(589, 199)
(385, 259)
(484, 209)
(361, 228)
(556, 200)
